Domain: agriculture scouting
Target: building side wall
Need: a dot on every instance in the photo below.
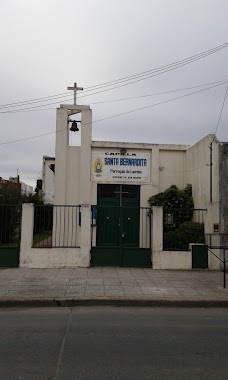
(72, 170)
(197, 171)
(73, 176)
(171, 169)
(223, 186)
(48, 181)
(61, 159)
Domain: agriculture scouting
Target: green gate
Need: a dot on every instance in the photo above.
(10, 231)
(199, 256)
(121, 229)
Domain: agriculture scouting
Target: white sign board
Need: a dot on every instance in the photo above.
(113, 166)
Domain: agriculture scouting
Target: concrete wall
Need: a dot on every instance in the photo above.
(52, 257)
(72, 186)
(80, 257)
(72, 174)
(48, 180)
(223, 186)
(197, 171)
(165, 259)
(213, 262)
(171, 168)
(173, 259)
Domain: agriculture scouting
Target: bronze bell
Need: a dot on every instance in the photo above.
(74, 126)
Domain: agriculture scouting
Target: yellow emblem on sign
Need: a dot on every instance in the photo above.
(98, 165)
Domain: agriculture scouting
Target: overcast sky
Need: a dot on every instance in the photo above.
(47, 45)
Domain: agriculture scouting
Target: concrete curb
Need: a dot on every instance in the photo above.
(133, 302)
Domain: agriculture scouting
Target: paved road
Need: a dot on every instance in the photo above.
(113, 343)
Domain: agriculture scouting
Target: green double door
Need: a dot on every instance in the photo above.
(118, 227)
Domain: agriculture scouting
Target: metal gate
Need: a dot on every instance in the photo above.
(10, 233)
(121, 236)
(199, 256)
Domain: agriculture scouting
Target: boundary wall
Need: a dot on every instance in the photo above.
(80, 257)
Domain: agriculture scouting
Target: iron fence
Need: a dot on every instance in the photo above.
(116, 226)
(219, 241)
(56, 226)
(10, 225)
(182, 227)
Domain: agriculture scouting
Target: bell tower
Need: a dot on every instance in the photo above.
(72, 163)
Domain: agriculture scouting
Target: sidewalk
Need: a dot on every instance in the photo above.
(113, 286)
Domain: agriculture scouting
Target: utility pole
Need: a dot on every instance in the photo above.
(211, 164)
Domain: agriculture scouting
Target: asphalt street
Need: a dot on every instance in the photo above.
(113, 343)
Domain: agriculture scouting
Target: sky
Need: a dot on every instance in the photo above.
(47, 45)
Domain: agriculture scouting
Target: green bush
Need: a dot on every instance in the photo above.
(43, 218)
(11, 200)
(10, 217)
(187, 232)
(174, 198)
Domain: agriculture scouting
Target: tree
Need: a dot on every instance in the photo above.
(11, 200)
(178, 228)
(13, 196)
(10, 196)
(178, 204)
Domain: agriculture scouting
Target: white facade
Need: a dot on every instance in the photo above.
(154, 167)
(75, 180)
(167, 164)
(26, 189)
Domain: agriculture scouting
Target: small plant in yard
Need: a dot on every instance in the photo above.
(178, 228)
(187, 232)
(11, 200)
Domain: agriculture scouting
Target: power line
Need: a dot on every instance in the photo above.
(34, 108)
(164, 69)
(160, 93)
(221, 111)
(30, 108)
(113, 116)
(143, 76)
(200, 55)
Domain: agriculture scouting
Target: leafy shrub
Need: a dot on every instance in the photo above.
(43, 218)
(10, 217)
(187, 232)
(174, 198)
(11, 200)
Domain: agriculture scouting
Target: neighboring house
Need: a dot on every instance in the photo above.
(15, 183)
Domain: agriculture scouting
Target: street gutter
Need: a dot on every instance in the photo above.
(130, 302)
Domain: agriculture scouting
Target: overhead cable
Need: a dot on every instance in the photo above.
(129, 79)
(114, 116)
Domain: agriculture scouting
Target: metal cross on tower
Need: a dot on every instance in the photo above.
(75, 89)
